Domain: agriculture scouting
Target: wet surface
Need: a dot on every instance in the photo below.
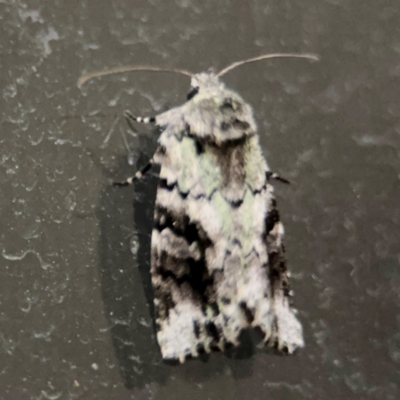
(75, 296)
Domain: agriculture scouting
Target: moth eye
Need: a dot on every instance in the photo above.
(192, 93)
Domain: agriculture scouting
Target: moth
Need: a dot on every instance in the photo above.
(218, 262)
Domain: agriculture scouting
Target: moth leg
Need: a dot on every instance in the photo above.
(273, 175)
(142, 120)
(139, 174)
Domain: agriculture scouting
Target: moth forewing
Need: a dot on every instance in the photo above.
(218, 263)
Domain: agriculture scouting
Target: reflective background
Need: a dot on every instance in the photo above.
(75, 314)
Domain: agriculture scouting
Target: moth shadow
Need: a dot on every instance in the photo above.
(124, 257)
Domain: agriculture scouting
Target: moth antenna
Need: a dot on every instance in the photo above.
(117, 70)
(265, 56)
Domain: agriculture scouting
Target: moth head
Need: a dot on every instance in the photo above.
(202, 81)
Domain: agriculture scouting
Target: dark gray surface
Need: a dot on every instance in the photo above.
(75, 319)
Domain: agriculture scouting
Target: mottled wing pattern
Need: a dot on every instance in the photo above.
(218, 263)
(183, 288)
(286, 329)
